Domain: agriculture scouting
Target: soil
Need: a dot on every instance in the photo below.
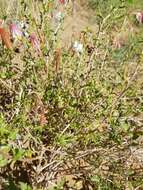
(80, 19)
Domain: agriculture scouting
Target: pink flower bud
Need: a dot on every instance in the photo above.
(15, 31)
(139, 17)
(62, 1)
(35, 43)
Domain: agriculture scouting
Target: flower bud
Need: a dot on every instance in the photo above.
(35, 43)
(15, 31)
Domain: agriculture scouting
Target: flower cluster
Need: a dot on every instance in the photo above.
(18, 30)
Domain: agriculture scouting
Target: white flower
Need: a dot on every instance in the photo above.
(25, 26)
(78, 47)
(139, 17)
(59, 16)
(18, 136)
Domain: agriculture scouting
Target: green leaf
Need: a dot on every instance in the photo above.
(18, 153)
(130, 1)
(24, 186)
(3, 161)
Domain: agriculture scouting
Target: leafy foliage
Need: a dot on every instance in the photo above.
(77, 124)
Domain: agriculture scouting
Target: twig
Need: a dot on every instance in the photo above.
(124, 90)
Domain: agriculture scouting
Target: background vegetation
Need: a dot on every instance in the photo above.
(78, 125)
